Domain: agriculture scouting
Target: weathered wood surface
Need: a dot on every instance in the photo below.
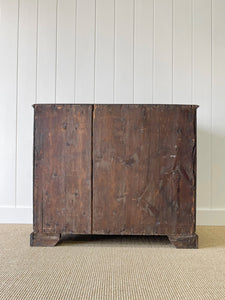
(114, 169)
(44, 239)
(184, 241)
(144, 169)
(62, 168)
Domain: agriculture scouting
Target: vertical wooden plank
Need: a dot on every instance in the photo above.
(139, 187)
(104, 72)
(62, 168)
(124, 51)
(143, 51)
(26, 97)
(8, 96)
(202, 96)
(85, 51)
(182, 51)
(46, 56)
(218, 104)
(162, 89)
(65, 51)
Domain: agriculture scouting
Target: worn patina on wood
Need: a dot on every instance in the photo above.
(62, 171)
(129, 169)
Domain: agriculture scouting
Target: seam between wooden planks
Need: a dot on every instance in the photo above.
(92, 173)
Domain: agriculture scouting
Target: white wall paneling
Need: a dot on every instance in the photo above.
(143, 50)
(111, 51)
(124, 51)
(26, 97)
(218, 104)
(85, 51)
(65, 67)
(46, 51)
(202, 92)
(162, 47)
(105, 43)
(20, 214)
(182, 51)
(8, 96)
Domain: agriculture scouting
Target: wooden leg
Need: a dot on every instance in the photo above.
(184, 241)
(44, 239)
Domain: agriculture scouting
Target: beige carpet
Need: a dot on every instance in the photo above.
(111, 268)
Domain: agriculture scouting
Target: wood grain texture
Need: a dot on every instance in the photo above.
(144, 169)
(62, 168)
(44, 239)
(115, 169)
(185, 241)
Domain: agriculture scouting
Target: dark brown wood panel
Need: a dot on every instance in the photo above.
(62, 168)
(144, 169)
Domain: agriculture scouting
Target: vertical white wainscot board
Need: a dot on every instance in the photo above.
(218, 108)
(182, 51)
(124, 51)
(26, 97)
(46, 54)
(162, 75)
(104, 67)
(8, 99)
(85, 51)
(202, 97)
(143, 51)
(65, 70)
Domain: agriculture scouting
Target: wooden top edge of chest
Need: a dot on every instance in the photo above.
(156, 106)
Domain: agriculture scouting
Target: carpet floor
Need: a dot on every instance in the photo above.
(111, 267)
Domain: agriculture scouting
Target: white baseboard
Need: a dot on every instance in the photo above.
(211, 217)
(18, 215)
(24, 215)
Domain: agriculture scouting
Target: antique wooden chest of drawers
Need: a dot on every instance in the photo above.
(114, 169)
